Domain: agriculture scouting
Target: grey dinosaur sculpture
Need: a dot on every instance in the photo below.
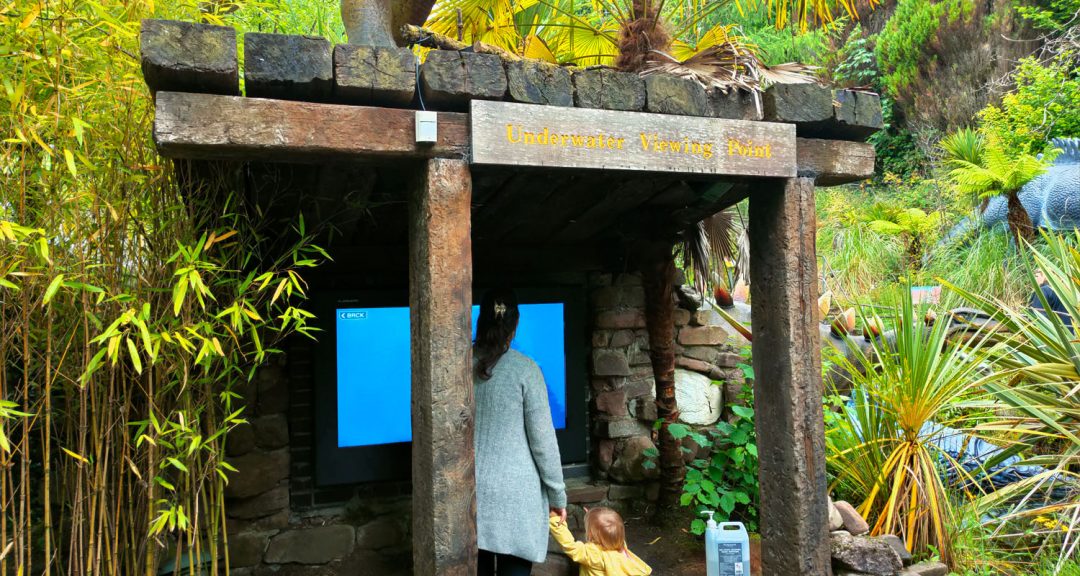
(1052, 199)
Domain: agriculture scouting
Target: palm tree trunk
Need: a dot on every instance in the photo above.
(658, 276)
(1020, 224)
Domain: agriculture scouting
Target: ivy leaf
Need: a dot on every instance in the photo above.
(678, 431)
(697, 527)
(727, 503)
(743, 412)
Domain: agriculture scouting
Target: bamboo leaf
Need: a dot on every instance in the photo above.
(134, 353)
(50, 292)
(74, 455)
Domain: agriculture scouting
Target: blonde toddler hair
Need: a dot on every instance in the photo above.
(604, 527)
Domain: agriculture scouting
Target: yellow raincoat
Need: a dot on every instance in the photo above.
(595, 561)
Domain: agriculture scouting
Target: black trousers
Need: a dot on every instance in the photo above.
(492, 564)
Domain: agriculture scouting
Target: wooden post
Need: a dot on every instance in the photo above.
(787, 384)
(440, 296)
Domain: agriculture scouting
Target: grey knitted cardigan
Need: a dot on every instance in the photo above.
(518, 467)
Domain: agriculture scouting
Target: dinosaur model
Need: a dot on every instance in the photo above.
(1051, 199)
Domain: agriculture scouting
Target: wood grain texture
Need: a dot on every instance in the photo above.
(521, 135)
(206, 126)
(832, 162)
(440, 297)
(787, 386)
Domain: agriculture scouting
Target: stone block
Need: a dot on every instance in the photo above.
(629, 467)
(257, 472)
(372, 75)
(271, 431)
(619, 319)
(610, 363)
(585, 492)
(702, 336)
(318, 545)
(599, 279)
(674, 95)
(853, 521)
(383, 532)
(640, 388)
(700, 401)
(287, 66)
(735, 105)
(857, 114)
(260, 506)
(612, 404)
(798, 103)
(695, 365)
(622, 339)
(621, 429)
(605, 454)
(628, 279)
(640, 358)
(450, 79)
(536, 82)
(247, 548)
(276, 521)
(623, 492)
(645, 410)
(189, 57)
(681, 317)
(926, 568)
(836, 521)
(899, 546)
(240, 440)
(618, 297)
(703, 353)
(609, 90)
(866, 555)
(728, 360)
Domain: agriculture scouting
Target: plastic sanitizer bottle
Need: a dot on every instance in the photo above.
(727, 549)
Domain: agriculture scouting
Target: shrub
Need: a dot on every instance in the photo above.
(901, 45)
(1044, 105)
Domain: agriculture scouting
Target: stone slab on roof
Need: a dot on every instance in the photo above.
(188, 57)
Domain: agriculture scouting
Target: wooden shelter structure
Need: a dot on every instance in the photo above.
(520, 168)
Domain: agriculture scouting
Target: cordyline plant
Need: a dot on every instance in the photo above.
(133, 309)
(1039, 374)
(881, 446)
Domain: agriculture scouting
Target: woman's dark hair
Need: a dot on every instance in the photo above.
(494, 329)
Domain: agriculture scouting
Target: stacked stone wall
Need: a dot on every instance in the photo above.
(280, 522)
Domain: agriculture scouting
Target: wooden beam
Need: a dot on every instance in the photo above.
(207, 126)
(832, 162)
(440, 297)
(787, 386)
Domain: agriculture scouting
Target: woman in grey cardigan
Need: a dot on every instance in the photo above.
(518, 468)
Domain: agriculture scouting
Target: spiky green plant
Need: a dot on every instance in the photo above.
(881, 451)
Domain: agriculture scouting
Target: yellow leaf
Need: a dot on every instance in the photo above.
(537, 49)
(78, 457)
(31, 16)
(134, 353)
(70, 159)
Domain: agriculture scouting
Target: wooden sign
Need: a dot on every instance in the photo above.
(511, 134)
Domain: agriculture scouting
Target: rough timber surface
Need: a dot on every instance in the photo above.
(287, 66)
(789, 421)
(832, 162)
(440, 296)
(189, 57)
(204, 126)
(524, 135)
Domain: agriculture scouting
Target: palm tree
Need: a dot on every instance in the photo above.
(632, 35)
(986, 169)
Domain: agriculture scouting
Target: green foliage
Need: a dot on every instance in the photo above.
(727, 482)
(965, 145)
(882, 454)
(997, 173)
(1050, 15)
(133, 313)
(856, 64)
(901, 45)
(896, 148)
(1045, 104)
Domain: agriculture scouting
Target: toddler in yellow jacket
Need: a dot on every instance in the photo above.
(605, 552)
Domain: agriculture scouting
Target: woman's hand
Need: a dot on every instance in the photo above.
(560, 512)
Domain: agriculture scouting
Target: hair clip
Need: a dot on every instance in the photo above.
(500, 310)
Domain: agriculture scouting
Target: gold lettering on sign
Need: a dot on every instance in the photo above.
(651, 143)
(748, 148)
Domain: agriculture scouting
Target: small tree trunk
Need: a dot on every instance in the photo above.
(658, 276)
(1020, 224)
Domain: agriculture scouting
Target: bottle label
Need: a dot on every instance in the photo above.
(730, 556)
